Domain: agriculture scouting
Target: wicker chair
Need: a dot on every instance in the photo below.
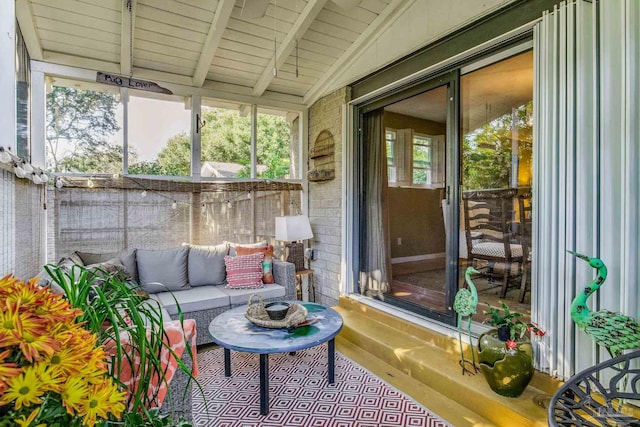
(607, 394)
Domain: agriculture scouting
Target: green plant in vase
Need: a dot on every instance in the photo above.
(132, 328)
(506, 353)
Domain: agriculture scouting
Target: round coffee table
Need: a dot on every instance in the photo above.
(233, 331)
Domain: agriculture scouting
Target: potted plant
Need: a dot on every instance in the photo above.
(505, 353)
(111, 308)
(52, 370)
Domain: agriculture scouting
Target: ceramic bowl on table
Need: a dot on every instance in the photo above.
(277, 310)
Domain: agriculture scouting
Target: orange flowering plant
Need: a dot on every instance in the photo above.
(52, 372)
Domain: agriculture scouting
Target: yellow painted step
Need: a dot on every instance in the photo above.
(447, 409)
(432, 359)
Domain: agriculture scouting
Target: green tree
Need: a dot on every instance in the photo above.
(79, 123)
(486, 152)
(227, 138)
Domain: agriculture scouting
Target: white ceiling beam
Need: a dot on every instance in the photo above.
(244, 110)
(127, 28)
(306, 17)
(384, 20)
(24, 14)
(219, 23)
(85, 69)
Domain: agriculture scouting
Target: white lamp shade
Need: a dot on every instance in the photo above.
(293, 228)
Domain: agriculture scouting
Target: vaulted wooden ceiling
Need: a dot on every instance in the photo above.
(210, 43)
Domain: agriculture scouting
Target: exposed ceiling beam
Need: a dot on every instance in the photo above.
(307, 16)
(24, 14)
(74, 67)
(219, 23)
(244, 110)
(353, 52)
(127, 28)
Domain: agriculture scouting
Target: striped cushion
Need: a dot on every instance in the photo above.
(244, 272)
(495, 249)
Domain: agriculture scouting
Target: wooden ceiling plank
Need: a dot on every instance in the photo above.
(258, 30)
(162, 41)
(161, 66)
(342, 21)
(311, 46)
(159, 15)
(63, 17)
(326, 39)
(180, 9)
(169, 29)
(218, 25)
(375, 6)
(77, 54)
(305, 19)
(235, 46)
(357, 13)
(165, 58)
(384, 19)
(241, 57)
(44, 24)
(335, 31)
(161, 48)
(127, 30)
(79, 42)
(24, 14)
(81, 8)
(235, 65)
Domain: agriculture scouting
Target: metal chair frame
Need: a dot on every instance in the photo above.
(607, 394)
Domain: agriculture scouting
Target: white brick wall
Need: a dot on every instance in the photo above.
(325, 202)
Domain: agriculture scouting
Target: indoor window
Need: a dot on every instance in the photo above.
(421, 170)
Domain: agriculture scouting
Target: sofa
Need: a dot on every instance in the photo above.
(190, 278)
(193, 278)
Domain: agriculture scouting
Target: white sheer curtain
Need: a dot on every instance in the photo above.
(586, 169)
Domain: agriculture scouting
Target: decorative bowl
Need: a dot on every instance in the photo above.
(277, 310)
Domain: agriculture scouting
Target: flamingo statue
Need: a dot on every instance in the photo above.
(465, 304)
(614, 331)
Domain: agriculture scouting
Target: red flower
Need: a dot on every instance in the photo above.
(511, 344)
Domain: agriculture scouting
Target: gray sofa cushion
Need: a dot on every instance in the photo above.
(206, 265)
(127, 258)
(167, 267)
(194, 299)
(241, 296)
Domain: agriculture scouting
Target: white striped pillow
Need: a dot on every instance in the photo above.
(244, 272)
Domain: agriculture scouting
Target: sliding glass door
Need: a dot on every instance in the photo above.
(445, 183)
(409, 153)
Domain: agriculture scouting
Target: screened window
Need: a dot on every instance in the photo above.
(83, 128)
(159, 136)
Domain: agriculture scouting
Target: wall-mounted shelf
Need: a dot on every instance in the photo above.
(322, 155)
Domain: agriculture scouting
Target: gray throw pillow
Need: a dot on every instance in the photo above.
(161, 271)
(206, 265)
(128, 259)
(89, 258)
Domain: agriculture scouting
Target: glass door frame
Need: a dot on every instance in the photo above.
(451, 79)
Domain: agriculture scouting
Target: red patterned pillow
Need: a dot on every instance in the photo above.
(244, 272)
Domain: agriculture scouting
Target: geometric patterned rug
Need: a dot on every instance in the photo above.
(299, 394)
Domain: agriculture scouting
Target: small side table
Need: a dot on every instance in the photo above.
(305, 288)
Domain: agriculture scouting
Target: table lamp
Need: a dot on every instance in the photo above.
(294, 229)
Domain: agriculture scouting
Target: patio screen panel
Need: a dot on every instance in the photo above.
(585, 170)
